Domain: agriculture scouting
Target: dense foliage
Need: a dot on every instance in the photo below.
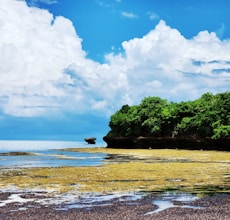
(208, 116)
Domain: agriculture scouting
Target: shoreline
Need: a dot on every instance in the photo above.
(130, 170)
(147, 169)
(207, 207)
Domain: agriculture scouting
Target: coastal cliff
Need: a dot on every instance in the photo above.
(168, 143)
(157, 123)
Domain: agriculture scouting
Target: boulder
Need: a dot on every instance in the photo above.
(91, 140)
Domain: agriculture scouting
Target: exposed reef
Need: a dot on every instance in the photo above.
(17, 154)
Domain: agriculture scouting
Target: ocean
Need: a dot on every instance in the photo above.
(47, 154)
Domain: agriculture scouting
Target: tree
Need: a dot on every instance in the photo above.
(150, 110)
(208, 116)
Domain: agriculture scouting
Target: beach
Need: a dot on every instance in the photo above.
(114, 184)
(207, 207)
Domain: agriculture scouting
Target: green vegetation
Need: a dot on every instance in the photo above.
(208, 116)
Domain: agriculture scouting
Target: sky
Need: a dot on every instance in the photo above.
(68, 65)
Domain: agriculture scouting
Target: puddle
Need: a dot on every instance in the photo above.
(89, 200)
(15, 198)
(168, 200)
(63, 202)
(93, 200)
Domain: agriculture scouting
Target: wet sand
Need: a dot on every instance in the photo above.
(208, 208)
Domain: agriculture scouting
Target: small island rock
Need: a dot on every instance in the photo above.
(91, 140)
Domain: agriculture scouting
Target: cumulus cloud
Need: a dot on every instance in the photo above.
(166, 57)
(35, 49)
(44, 70)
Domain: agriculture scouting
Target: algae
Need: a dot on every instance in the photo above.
(141, 170)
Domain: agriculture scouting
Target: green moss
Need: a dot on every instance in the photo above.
(146, 170)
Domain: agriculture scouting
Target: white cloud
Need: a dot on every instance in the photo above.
(220, 31)
(107, 3)
(34, 54)
(48, 2)
(44, 69)
(165, 56)
(129, 15)
(153, 16)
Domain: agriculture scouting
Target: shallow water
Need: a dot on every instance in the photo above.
(92, 200)
(167, 201)
(89, 200)
(47, 154)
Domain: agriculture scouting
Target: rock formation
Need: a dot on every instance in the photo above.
(91, 140)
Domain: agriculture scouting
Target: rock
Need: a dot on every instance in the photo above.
(168, 143)
(17, 154)
(91, 140)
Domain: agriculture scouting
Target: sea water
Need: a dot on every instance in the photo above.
(48, 154)
(20, 145)
(51, 154)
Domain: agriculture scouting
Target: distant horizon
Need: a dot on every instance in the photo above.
(36, 145)
(80, 138)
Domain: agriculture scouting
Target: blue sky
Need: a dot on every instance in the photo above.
(67, 65)
(105, 24)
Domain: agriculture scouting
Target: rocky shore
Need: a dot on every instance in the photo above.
(208, 208)
(168, 143)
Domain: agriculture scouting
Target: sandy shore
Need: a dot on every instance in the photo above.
(208, 207)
